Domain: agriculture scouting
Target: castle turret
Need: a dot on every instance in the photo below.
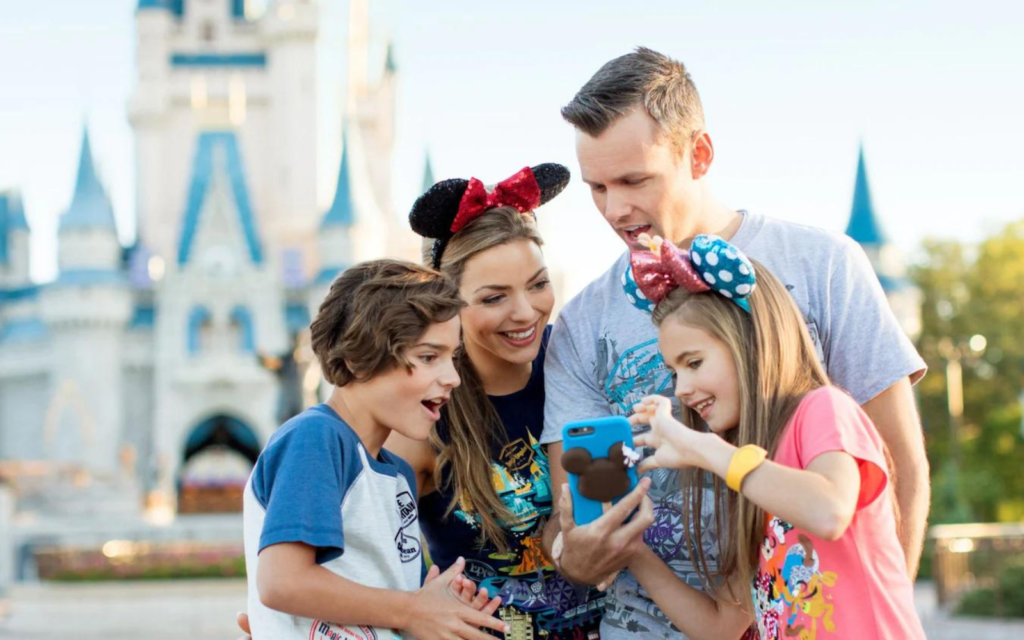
(291, 31)
(428, 174)
(14, 242)
(86, 310)
(865, 227)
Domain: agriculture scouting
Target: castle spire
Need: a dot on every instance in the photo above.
(90, 208)
(342, 211)
(428, 173)
(864, 226)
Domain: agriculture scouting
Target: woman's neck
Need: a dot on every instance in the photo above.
(499, 377)
(371, 434)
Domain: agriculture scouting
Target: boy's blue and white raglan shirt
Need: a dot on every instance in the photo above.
(314, 483)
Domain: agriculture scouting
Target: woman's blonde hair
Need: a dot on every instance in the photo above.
(777, 365)
(474, 426)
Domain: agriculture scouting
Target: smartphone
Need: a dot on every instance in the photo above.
(598, 472)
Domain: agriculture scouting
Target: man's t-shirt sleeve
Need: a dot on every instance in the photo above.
(571, 392)
(298, 482)
(866, 350)
(829, 420)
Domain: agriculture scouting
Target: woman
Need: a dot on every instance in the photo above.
(483, 483)
(484, 489)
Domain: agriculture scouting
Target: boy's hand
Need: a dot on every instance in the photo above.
(440, 608)
(465, 589)
(676, 445)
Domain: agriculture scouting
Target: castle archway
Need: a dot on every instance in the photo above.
(218, 457)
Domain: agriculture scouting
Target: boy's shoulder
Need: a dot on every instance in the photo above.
(317, 423)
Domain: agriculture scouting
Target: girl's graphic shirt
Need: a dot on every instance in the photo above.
(854, 587)
(540, 603)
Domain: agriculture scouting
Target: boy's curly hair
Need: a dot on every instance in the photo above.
(373, 312)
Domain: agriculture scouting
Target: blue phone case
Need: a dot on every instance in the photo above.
(606, 432)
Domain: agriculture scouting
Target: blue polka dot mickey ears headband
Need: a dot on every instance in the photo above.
(711, 264)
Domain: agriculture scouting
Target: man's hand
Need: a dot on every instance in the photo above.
(596, 551)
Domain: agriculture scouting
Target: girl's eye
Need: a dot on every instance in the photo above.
(693, 364)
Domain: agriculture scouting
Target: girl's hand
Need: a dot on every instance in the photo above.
(676, 444)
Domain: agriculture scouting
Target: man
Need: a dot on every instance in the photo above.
(644, 152)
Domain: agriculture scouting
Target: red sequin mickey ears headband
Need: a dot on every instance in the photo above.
(450, 205)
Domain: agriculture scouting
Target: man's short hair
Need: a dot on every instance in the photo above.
(373, 312)
(644, 77)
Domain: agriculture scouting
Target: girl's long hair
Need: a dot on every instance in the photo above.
(777, 366)
(474, 426)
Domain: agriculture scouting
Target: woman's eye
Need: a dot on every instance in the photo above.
(493, 299)
(693, 364)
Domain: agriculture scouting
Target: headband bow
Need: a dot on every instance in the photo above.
(448, 206)
(521, 192)
(710, 264)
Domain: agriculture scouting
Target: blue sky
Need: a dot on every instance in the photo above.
(790, 90)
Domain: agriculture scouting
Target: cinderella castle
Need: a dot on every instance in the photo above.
(139, 386)
(144, 380)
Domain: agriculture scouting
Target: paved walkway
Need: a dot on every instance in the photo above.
(205, 610)
(172, 610)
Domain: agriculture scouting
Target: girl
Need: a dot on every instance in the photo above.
(810, 547)
(483, 478)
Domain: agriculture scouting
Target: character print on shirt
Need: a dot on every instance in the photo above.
(792, 595)
(522, 576)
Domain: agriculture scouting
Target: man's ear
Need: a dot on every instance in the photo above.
(702, 153)
(576, 460)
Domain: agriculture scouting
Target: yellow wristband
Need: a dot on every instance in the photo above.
(744, 460)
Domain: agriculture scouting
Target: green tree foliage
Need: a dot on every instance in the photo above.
(971, 291)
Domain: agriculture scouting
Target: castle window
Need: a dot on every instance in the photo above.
(200, 323)
(241, 326)
(208, 32)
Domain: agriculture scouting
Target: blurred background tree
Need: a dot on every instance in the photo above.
(973, 315)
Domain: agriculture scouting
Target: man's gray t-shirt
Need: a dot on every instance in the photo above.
(603, 358)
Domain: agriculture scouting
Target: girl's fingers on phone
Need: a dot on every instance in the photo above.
(643, 440)
(648, 464)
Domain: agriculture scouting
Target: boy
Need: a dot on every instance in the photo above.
(332, 539)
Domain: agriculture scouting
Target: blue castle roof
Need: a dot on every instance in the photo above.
(202, 175)
(343, 211)
(389, 64)
(864, 226)
(177, 7)
(90, 208)
(428, 174)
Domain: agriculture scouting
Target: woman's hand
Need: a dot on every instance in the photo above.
(676, 445)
